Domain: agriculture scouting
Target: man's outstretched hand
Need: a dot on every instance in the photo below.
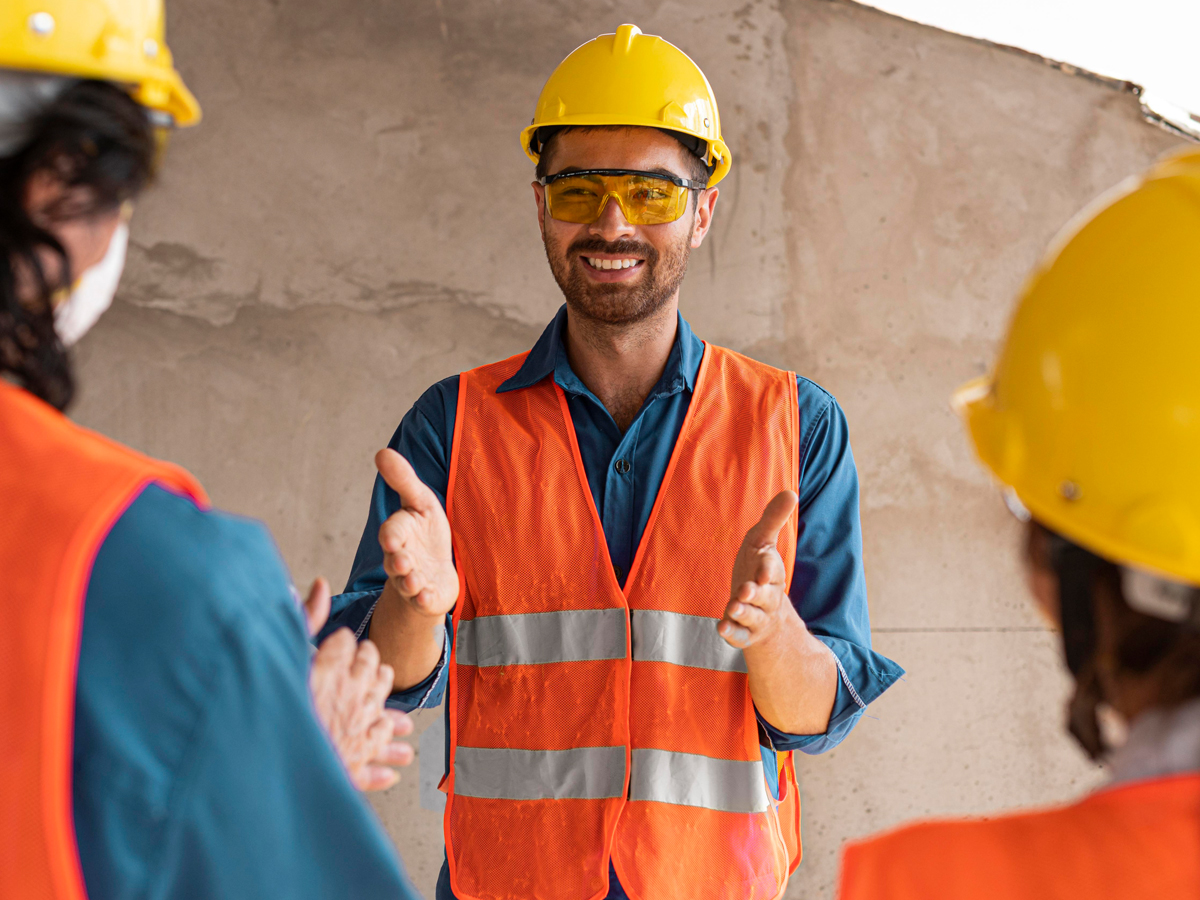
(759, 607)
(417, 552)
(349, 687)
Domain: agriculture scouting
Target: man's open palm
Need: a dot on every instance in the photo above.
(758, 597)
(416, 545)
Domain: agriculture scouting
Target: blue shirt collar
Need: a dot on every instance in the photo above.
(549, 355)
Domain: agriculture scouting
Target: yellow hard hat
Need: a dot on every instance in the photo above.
(1092, 414)
(630, 78)
(111, 40)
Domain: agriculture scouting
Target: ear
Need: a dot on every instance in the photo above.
(539, 197)
(706, 205)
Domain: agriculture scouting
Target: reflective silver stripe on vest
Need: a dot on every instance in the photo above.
(683, 640)
(686, 779)
(583, 773)
(531, 638)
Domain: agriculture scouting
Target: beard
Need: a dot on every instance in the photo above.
(619, 303)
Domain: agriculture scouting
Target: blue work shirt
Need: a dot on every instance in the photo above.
(199, 768)
(828, 586)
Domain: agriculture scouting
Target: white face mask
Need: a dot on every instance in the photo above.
(94, 291)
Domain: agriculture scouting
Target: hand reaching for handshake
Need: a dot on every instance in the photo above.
(349, 687)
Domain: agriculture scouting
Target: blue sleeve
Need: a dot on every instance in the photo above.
(424, 438)
(200, 769)
(829, 587)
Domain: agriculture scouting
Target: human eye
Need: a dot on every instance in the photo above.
(576, 188)
(651, 193)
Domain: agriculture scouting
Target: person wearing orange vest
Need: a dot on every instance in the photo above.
(630, 560)
(165, 727)
(1091, 423)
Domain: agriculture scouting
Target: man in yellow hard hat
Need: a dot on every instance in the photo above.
(164, 728)
(1091, 422)
(630, 561)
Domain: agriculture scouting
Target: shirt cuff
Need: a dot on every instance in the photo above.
(863, 675)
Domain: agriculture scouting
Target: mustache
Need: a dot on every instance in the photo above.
(616, 248)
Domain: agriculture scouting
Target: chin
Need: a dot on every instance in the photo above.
(615, 304)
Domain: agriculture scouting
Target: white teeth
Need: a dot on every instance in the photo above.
(597, 263)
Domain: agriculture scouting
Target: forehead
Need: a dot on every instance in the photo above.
(618, 148)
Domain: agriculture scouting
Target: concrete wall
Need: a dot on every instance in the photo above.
(353, 221)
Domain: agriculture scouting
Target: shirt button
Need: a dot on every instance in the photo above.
(622, 466)
(619, 572)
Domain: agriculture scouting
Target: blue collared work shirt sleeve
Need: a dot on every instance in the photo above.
(828, 586)
(423, 438)
(200, 769)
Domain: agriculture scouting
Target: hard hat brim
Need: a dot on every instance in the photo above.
(999, 450)
(722, 159)
(158, 89)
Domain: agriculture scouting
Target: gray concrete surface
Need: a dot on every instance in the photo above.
(353, 221)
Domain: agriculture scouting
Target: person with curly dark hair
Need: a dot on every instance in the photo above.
(165, 727)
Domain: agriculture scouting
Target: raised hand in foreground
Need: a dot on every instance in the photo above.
(349, 686)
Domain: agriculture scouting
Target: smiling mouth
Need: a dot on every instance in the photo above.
(607, 264)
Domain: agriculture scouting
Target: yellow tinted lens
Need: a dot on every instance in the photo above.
(577, 200)
(651, 201)
(644, 199)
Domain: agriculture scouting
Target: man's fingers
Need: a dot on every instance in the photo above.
(336, 650)
(774, 517)
(316, 607)
(382, 686)
(412, 584)
(744, 614)
(426, 599)
(770, 568)
(402, 723)
(747, 592)
(735, 635)
(401, 478)
(396, 753)
(394, 535)
(375, 778)
(366, 660)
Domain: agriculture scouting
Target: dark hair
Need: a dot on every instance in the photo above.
(1142, 644)
(698, 169)
(99, 142)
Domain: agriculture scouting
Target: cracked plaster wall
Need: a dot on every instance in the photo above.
(352, 222)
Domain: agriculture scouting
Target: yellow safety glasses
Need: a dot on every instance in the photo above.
(645, 198)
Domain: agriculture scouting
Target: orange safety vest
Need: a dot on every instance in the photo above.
(61, 489)
(1136, 841)
(574, 738)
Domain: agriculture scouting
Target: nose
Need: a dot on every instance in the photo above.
(612, 223)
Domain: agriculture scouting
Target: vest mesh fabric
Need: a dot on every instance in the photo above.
(570, 746)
